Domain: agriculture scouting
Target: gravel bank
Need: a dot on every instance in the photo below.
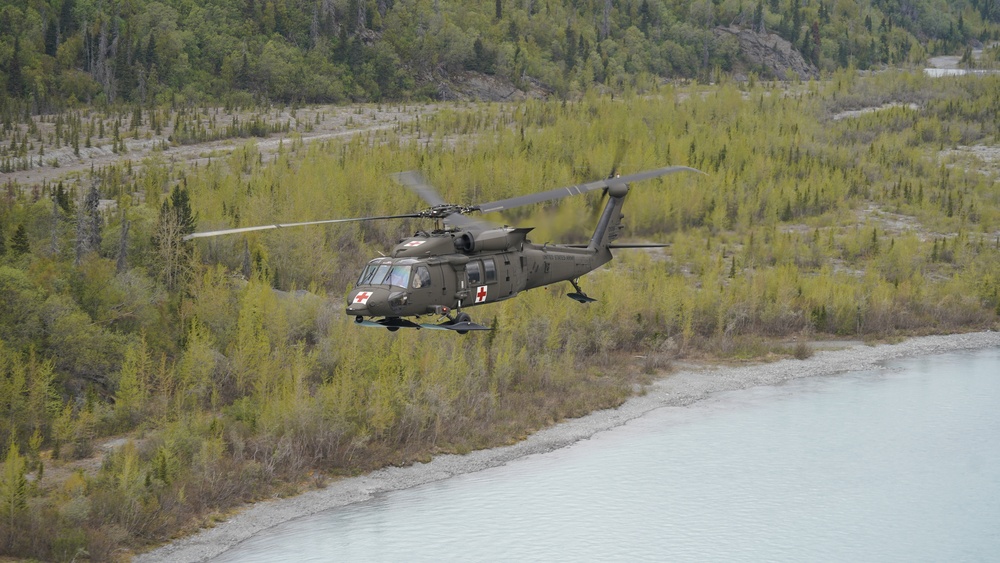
(682, 388)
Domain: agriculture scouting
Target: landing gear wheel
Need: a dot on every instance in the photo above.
(463, 318)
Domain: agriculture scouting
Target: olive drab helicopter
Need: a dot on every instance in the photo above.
(465, 261)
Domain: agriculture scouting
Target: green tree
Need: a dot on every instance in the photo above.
(20, 307)
(62, 198)
(758, 17)
(86, 351)
(88, 224)
(15, 77)
(19, 243)
(42, 397)
(180, 202)
(13, 387)
(175, 221)
(13, 493)
(133, 383)
(195, 369)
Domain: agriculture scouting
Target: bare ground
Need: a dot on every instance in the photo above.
(314, 123)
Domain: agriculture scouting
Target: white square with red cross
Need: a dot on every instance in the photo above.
(362, 298)
(481, 294)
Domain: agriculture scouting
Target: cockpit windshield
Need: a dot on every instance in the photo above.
(383, 271)
(374, 272)
(399, 276)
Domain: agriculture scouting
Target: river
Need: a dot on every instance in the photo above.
(898, 463)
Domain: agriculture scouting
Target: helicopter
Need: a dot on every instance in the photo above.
(465, 261)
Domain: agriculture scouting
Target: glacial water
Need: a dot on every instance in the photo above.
(895, 464)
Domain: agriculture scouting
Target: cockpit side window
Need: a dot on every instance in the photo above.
(421, 278)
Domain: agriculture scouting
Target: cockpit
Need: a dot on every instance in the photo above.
(402, 272)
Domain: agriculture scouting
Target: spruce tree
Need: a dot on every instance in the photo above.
(88, 226)
(62, 198)
(181, 204)
(19, 243)
(121, 264)
(15, 79)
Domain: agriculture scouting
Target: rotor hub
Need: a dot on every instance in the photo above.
(444, 210)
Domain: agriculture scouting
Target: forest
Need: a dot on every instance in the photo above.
(198, 376)
(64, 54)
(149, 386)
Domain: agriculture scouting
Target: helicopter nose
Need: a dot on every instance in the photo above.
(360, 302)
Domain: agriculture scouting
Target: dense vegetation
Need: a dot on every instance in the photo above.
(232, 369)
(58, 53)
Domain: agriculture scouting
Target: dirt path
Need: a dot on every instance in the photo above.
(315, 123)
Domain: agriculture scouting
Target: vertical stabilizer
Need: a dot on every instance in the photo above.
(610, 224)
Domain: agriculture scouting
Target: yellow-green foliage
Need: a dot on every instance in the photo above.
(802, 224)
(806, 222)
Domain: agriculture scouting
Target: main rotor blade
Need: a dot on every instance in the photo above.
(419, 185)
(579, 189)
(283, 225)
(416, 182)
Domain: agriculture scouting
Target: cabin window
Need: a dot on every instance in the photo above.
(475, 277)
(399, 276)
(489, 270)
(421, 278)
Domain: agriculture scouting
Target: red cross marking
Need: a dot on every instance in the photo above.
(362, 297)
(481, 294)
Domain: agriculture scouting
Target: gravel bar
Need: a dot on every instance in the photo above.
(678, 389)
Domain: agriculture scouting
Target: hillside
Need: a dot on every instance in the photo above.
(61, 53)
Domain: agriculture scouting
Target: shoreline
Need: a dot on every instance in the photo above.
(682, 388)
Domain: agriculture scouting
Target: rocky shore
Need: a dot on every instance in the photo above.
(678, 389)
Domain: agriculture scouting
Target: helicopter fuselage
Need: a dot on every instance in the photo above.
(436, 273)
(466, 262)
